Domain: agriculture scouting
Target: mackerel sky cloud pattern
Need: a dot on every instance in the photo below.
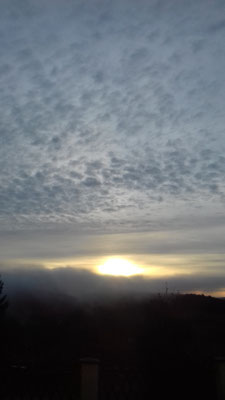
(112, 116)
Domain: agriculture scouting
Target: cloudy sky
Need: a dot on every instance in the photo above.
(112, 135)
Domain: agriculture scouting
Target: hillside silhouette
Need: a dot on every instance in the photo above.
(174, 337)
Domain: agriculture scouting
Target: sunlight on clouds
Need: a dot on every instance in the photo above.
(119, 267)
(149, 266)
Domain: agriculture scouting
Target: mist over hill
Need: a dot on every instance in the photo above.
(82, 285)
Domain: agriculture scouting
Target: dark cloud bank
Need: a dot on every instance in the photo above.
(84, 285)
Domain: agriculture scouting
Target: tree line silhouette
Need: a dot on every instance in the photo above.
(171, 339)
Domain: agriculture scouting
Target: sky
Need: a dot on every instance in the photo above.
(112, 137)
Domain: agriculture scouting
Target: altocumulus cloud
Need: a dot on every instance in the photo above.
(111, 114)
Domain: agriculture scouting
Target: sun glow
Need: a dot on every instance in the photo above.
(119, 267)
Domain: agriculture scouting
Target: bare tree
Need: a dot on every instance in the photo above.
(3, 298)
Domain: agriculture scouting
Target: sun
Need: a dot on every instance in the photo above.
(119, 267)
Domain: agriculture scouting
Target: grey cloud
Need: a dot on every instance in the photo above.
(198, 45)
(76, 175)
(91, 182)
(217, 27)
(5, 70)
(139, 55)
(99, 76)
(85, 285)
(78, 89)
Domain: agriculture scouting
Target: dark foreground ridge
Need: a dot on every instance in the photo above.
(147, 348)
